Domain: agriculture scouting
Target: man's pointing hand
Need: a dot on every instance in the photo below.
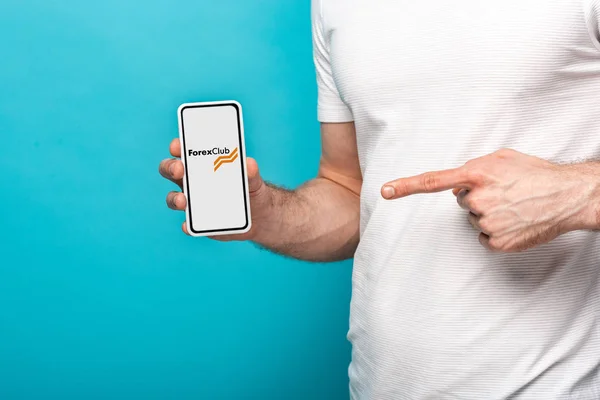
(515, 200)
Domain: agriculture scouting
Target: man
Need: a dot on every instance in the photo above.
(497, 297)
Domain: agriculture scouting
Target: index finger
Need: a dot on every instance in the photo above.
(429, 182)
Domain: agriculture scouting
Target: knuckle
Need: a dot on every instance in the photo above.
(474, 175)
(473, 203)
(161, 166)
(505, 152)
(495, 244)
(485, 225)
(500, 245)
(165, 166)
(172, 200)
(429, 181)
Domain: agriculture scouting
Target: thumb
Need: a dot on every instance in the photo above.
(255, 182)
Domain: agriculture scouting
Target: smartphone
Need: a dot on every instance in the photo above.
(215, 181)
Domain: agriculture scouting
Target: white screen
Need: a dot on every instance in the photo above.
(214, 178)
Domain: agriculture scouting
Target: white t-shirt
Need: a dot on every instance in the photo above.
(431, 85)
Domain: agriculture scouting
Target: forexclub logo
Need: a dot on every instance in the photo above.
(227, 159)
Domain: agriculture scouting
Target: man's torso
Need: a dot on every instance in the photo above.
(430, 86)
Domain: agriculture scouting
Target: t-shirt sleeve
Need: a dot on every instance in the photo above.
(330, 106)
(592, 13)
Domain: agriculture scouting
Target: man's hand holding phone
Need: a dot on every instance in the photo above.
(173, 170)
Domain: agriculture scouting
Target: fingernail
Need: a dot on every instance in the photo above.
(388, 192)
(171, 168)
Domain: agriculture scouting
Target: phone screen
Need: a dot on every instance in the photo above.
(215, 177)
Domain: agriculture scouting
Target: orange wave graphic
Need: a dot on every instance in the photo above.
(226, 159)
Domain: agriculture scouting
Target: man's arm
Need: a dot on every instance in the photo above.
(319, 221)
(590, 173)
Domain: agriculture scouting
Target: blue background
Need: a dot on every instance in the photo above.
(101, 295)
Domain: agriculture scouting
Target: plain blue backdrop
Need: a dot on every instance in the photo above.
(101, 295)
